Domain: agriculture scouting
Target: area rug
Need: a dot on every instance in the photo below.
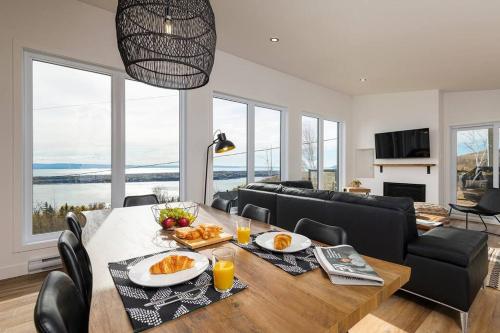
(493, 278)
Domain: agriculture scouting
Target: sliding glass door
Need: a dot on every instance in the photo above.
(476, 162)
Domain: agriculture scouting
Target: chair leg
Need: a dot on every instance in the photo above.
(467, 221)
(449, 213)
(485, 226)
(497, 218)
(464, 318)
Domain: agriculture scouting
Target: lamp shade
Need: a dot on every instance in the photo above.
(167, 43)
(222, 145)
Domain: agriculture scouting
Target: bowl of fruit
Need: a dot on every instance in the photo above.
(175, 215)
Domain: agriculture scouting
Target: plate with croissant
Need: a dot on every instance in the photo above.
(286, 242)
(168, 269)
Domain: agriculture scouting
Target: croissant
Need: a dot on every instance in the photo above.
(172, 264)
(209, 230)
(204, 231)
(188, 233)
(282, 241)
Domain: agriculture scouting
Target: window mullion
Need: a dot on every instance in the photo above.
(320, 152)
(496, 157)
(251, 142)
(117, 141)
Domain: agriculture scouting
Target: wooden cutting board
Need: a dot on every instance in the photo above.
(197, 243)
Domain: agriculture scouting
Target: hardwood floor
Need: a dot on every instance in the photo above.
(401, 313)
(408, 313)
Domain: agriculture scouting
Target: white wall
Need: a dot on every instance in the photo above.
(241, 78)
(392, 112)
(71, 29)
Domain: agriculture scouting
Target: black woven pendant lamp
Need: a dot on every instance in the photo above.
(167, 43)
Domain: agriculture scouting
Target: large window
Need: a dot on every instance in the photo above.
(267, 144)
(71, 143)
(320, 152)
(152, 141)
(257, 131)
(330, 174)
(310, 134)
(79, 154)
(476, 168)
(230, 169)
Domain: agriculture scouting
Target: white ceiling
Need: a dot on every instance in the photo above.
(398, 45)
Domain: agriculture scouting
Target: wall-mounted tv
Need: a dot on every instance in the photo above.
(403, 144)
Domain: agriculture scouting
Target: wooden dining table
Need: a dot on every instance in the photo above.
(274, 301)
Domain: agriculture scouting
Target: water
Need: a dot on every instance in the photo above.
(85, 194)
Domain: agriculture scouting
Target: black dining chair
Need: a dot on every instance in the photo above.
(59, 308)
(77, 263)
(74, 226)
(140, 200)
(489, 205)
(222, 204)
(256, 213)
(320, 232)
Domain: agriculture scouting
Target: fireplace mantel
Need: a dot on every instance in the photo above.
(399, 165)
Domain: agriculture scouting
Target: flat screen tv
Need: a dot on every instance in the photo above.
(403, 144)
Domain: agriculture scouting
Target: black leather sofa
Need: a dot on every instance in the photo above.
(448, 265)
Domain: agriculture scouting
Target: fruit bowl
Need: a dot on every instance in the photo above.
(175, 215)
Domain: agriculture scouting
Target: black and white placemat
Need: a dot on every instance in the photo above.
(294, 263)
(134, 297)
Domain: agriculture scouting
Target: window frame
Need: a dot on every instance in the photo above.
(118, 77)
(495, 126)
(251, 105)
(340, 147)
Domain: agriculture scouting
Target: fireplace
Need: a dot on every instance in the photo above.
(414, 191)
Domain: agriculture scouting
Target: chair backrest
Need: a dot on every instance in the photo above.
(140, 200)
(77, 263)
(491, 200)
(59, 308)
(256, 213)
(320, 232)
(74, 226)
(221, 204)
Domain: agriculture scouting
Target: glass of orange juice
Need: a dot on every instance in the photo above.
(223, 268)
(243, 230)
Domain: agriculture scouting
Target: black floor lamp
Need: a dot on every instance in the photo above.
(222, 145)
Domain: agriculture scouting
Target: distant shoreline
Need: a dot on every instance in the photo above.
(141, 177)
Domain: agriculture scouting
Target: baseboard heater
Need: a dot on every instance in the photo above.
(44, 264)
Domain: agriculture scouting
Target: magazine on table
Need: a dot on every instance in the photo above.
(346, 267)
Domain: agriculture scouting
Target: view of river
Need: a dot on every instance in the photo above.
(88, 193)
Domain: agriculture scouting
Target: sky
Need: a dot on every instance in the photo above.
(72, 118)
(72, 122)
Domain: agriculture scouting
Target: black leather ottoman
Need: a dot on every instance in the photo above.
(448, 266)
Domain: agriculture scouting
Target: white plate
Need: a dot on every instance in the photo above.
(139, 273)
(299, 242)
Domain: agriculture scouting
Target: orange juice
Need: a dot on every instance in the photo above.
(243, 235)
(223, 275)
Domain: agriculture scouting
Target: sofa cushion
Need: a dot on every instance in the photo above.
(276, 188)
(304, 192)
(455, 246)
(298, 183)
(394, 203)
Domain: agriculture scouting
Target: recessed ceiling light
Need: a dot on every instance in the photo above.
(274, 39)
(363, 79)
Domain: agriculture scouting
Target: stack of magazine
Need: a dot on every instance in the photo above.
(345, 266)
